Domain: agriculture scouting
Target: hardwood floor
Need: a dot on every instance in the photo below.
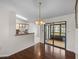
(41, 51)
(56, 43)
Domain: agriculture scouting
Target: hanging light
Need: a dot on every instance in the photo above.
(40, 21)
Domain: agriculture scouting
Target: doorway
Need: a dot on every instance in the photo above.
(55, 34)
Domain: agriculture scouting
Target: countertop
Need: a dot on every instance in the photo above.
(23, 34)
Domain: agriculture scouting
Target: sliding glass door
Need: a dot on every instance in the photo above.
(55, 34)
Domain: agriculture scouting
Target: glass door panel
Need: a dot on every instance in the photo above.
(56, 30)
(63, 34)
(47, 33)
(63, 30)
(51, 34)
(56, 34)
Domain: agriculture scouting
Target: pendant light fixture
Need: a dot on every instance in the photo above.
(40, 21)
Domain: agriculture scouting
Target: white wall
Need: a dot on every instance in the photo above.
(9, 43)
(4, 30)
(71, 30)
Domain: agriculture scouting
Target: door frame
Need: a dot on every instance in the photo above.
(53, 30)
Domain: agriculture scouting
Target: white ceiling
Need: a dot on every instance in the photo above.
(50, 8)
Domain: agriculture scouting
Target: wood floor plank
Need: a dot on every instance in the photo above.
(42, 51)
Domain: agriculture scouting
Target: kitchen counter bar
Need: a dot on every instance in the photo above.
(23, 34)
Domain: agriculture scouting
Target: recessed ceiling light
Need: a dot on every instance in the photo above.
(21, 17)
